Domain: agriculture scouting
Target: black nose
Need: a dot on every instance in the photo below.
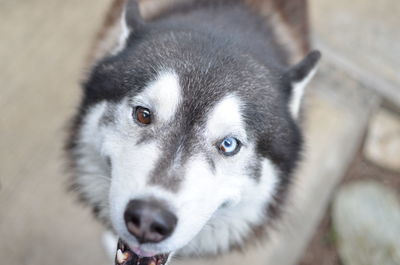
(149, 221)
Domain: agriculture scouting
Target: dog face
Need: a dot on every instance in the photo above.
(182, 144)
(198, 168)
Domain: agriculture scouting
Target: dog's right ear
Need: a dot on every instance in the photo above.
(299, 76)
(131, 20)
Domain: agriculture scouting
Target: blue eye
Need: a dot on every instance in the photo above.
(229, 146)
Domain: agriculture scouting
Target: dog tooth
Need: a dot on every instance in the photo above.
(121, 257)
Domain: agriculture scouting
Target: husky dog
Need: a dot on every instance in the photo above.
(186, 138)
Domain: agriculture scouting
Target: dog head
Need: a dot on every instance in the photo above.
(182, 144)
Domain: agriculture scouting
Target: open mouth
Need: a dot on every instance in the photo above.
(125, 256)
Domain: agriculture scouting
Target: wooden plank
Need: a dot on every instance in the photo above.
(362, 38)
(374, 81)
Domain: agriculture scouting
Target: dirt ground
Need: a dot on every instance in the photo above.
(322, 250)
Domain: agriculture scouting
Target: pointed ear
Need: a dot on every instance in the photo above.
(131, 20)
(132, 17)
(299, 76)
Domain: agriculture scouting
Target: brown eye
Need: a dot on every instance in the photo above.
(143, 115)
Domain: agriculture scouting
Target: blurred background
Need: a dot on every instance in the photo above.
(345, 208)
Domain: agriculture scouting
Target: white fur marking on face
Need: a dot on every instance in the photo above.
(131, 166)
(163, 95)
(226, 120)
(229, 226)
(298, 92)
(93, 178)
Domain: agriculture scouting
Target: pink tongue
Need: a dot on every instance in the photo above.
(141, 253)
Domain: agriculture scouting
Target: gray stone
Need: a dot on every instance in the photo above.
(382, 145)
(366, 217)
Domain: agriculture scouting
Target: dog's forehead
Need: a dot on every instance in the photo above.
(199, 113)
(175, 96)
(162, 94)
(225, 118)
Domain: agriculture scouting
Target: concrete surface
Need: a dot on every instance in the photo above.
(42, 50)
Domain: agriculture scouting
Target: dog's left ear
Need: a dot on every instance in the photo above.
(299, 75)
(131, 21)
(132, 17)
